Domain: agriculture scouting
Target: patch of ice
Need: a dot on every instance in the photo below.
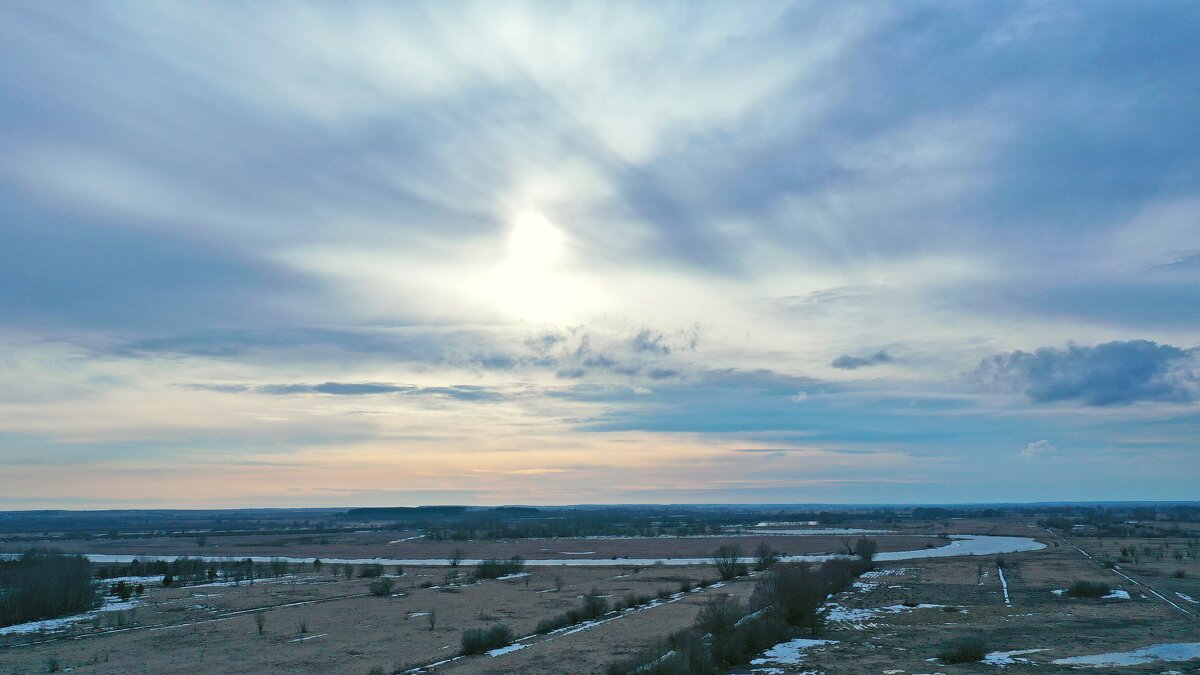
(1185, 596)
(1118, 594)
(516, 575)
(1059, 591)
(858, 616)
(1170, 651)
(1008, 658)
(501, 651)
(789, 653)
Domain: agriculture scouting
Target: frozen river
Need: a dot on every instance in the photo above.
(959, 545)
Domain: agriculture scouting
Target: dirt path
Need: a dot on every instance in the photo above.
(1129, 578)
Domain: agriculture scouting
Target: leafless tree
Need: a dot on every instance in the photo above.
(727, 560)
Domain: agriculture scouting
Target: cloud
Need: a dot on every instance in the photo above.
(462, 392)
(1113, 373)
(848, 362)
(1038, 448)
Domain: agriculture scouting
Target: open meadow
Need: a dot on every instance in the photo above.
(565, 605)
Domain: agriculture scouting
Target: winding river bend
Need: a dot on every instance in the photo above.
(960, 545)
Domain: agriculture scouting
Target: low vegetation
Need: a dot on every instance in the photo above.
(594, 606)
(1089, 589)
(494, 569)
(727, 633)
(479, 640)
(964, 650)
(44, 584)
(381, 587)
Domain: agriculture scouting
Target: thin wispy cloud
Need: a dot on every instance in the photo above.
(567, 244)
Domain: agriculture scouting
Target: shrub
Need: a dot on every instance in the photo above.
(1089, 589)
(494, 569)
(1179, 574)
(964, 650)
(594, 605)
(685, 586)
(478, 640)
(371, 571)
(381, 587)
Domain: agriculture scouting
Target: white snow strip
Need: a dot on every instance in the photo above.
(1004, 585)
(310, 637)
(1118, 594)
(750, 617)
(655, 662)
(501, 651)
(1008, 658)
(1185, 596)
(111, 604)
(1177, 651)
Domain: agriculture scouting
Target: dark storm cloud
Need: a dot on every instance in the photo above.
(1107, 374)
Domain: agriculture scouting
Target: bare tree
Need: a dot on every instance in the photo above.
(432, 619)
(865, 549)
(456, 557)
(260, 620)
(558, 582)
(728, 561)
(766, 555)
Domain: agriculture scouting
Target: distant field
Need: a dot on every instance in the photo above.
(895, 619)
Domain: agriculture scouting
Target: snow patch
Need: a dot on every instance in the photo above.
(1171, 651)
(1008, 658)
(506, 650)
(789, 653)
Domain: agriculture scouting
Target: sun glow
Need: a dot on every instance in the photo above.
(536, 279)
(534, 242)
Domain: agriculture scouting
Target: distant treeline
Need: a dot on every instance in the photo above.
(460, 523)
(185, 570)
(45, 584)
(1141, 521)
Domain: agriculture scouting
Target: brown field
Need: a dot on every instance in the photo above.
(376, 545)
(211, 628)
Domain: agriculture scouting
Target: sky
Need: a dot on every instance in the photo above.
(352, 254)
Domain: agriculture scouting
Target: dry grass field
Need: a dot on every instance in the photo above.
(894, 621)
